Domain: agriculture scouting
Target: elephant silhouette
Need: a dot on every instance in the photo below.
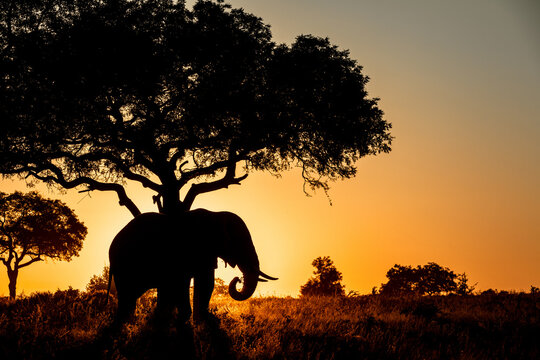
(165, 252)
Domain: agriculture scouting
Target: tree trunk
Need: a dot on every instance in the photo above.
(171, 201)
(12, 275)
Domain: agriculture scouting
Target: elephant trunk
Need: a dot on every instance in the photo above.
(249, 284)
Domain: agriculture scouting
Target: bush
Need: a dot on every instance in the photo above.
(100, 283)
(430, 279)
(327, 279)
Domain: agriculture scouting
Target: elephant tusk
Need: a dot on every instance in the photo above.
(262, 280)
(266, 276)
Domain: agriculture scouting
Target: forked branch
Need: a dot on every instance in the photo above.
(29, 262)
(92, 184)
(228, 179)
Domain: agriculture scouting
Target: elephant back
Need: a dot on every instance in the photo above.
(146, 236)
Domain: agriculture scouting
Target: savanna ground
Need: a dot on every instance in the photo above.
(77, 325)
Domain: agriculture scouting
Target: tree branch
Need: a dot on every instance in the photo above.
(157, 201)
(200, 171)
(92, 184)
(211, 169)
(126, 171)
(223, 183)
(182, 165)
(31, 261)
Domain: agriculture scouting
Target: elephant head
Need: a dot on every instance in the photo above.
(236, 249)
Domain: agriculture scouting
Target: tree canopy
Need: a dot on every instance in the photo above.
(326, 280)
(33, 228)
(97, 93)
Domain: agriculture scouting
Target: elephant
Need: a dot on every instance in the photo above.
(162, 251)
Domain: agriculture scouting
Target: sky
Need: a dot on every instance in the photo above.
(460, 82)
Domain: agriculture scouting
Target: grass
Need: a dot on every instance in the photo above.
(71, 324)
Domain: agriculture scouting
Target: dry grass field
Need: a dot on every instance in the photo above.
(77, 325)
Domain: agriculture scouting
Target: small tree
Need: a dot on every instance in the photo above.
(220, 288)
(401, 279)
(101, 282)
(33, 228)
(435, 279)
(463, 288)
(327, 279)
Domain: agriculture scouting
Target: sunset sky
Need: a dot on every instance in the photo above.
(460, 82)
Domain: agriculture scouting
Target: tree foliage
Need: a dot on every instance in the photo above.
(33, 228)
(429, 279)
(96, 93)
(326, 280)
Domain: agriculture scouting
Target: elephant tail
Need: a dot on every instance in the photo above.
(108, 287)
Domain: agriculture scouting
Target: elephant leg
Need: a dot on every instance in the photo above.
(126, 307)
(202, 292)
(165, 302)
(183, 305)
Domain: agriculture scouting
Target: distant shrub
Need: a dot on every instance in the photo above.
(462, 286)
(220, 288)
(489, 292)
(430, 279)
(101, 282)
(327, 279)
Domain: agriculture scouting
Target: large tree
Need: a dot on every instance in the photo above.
(98, 93)
(33, 228)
